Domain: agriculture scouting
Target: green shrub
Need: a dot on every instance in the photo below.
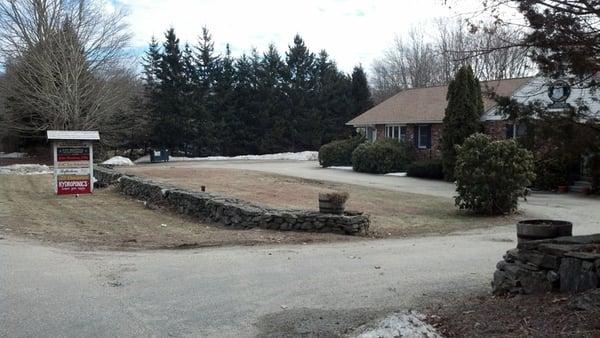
(426, 169)
(491, 175)
(339, 153)
(550, 172)
(382, 157)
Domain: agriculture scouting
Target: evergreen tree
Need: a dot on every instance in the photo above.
(274, 106)
(207, 63)
(151, 64)
(361, 94)
(224, 103)
(170, 128)
(463, 114)
(301, 63)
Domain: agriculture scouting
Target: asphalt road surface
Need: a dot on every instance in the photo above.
(239, 291)
(290, 290)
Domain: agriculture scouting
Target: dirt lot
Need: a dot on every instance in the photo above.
(109, 220)
(550, 315)
(393, 213)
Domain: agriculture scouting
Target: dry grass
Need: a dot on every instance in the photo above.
(393, 213)
(108, 220)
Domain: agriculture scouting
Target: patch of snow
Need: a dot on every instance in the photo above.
(25, 169)
(407, 324)
(13, 155)
(301, 156)
(396, 174)
(340, 168)
(118, 160)
(143, 159)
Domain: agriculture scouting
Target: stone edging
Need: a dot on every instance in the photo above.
(231, 211)
(566, 264)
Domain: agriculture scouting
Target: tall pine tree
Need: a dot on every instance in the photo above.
(463, 114)
(301, 63)
(170, 121)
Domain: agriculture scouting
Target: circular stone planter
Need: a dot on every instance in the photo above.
(536, 229)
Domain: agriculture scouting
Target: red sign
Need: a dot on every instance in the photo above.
(73, 184)
(73, 170)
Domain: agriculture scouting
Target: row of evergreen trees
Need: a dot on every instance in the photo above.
(203, 103)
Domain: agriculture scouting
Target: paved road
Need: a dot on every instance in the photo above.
(242, 291)
(236, 291)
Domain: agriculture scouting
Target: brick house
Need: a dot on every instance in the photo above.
(416, 115)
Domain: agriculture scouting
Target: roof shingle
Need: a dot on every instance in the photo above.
(427, 105)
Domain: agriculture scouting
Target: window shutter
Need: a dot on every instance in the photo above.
(428, 136)
(509, 131)
(416, 136)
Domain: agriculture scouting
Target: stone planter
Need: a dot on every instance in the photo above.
(536, 229)
(328, 206)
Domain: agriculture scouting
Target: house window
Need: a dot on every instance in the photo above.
(395, 132)
(424, 136)
(371, 134)
(515, 130)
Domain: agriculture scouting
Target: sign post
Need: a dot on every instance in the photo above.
(73, 161)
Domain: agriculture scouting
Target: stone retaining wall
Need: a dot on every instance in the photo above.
(567, 264)
(232, 211)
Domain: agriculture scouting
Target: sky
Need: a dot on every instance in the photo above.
(352, 31)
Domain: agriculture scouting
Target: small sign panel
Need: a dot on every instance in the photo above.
(72, 169)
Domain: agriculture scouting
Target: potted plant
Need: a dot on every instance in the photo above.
(333, 202)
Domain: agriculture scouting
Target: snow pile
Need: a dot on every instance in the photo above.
(25, 169)
(340, 168)
(408, 324)
(396, 174)
(118, 160)
(301, 156)
(12, 155)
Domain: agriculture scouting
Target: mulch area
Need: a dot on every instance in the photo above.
(550, 315)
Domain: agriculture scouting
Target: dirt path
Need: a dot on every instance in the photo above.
(109, 220)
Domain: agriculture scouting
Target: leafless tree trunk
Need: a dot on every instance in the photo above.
(65, 64)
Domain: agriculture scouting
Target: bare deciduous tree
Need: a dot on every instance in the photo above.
(424, 60)
(65, 64)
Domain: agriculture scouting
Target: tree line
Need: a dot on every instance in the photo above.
(203, 103)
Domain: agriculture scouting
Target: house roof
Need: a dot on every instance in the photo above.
(73, 135)
(427, 105)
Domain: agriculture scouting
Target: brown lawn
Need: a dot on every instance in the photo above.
(108, 220)
(393, 213)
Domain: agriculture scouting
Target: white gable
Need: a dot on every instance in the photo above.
(536, 90)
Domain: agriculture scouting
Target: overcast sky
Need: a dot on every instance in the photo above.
(352, 31)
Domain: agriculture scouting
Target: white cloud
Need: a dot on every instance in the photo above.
(352, 31)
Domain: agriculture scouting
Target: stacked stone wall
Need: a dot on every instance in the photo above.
(566, 264)
(232, 211)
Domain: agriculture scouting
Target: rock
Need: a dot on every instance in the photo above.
(589, 256)
(573, 277)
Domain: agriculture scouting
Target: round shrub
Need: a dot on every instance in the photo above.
(382, 157)
(432, 169)
(491, 175)
(339, 153)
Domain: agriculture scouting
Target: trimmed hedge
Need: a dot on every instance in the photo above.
(382, 157)
(432, 169)
(339, 153)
